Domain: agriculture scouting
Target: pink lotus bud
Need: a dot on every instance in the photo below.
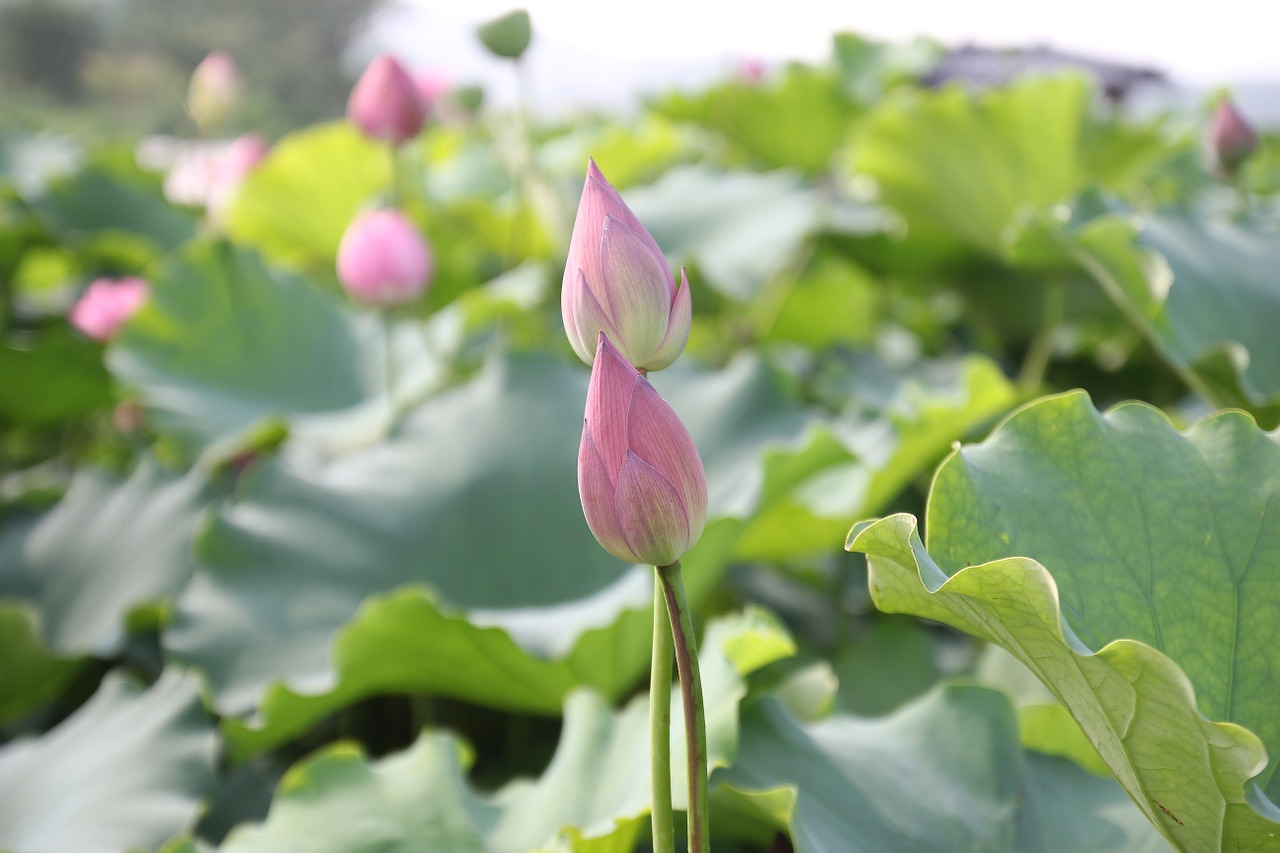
(214, 90)
(616, 281)
(382, 259)
(385, 103)
(230, 169)
(752, 71)
(431, 86)
(643, 488)
(1231, 139)
(106, 304)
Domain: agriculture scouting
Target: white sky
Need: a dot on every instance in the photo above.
(1206, 41)
(594, 53)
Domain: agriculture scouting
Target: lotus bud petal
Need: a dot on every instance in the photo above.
(617, 281)
(106, 304)
(383, 259)
(1231, 139)
(432, 87)
(385, 102)
(642, 484)
(214, 90)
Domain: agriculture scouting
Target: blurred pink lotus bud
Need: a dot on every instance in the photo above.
(385, 103)
(1231, 139)
(431, 86)
(752, 70)
(214, 90)
(242, 155)
(642, 484)
(106, 304)
(616, 281)
(383, 260)
(229, 170)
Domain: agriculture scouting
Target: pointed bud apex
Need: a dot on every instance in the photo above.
(642, 484)
(383, 260)
(106, 305)
(617, 281)
(385, 103)
(214, 91)
(1231, 139)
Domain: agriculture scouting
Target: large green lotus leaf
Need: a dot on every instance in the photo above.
(740, 228)
(297, 203)
(51, 379)
(629, 153)
(29, 675)
(108, 547)
(1046, 726)
(854, 466)
(125, 771)
(224, 343)
(965, 164)
(1206, 290)
(472, 506)
(111, 200)
(592, 798)
(1162, 550)
(797, 120)
(943, 773)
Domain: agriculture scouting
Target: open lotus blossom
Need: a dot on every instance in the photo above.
(106, 304)
(1231, 139)
(617, 281)
(642, 484)
(383, 259)
(385, 102)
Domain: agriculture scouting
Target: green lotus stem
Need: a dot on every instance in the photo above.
(695, 716)
(1036, 362)
(389, 365)
(394, 194)
(664, 834)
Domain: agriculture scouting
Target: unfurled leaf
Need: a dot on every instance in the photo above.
(124, 772)
(1143, 594)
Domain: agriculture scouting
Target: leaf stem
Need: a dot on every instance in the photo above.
(1040, 351)
(664, 835)
(695, 720)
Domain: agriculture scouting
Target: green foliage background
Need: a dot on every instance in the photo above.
(281, 573)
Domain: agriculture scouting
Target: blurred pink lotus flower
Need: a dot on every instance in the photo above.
(385, 102)
(237, 162)
(1231, 139)
(752, 70)
(642, 484)
(214, 90)
(205, 174)
(106, 304)
(383, 259)
(617, 281)
(431, 86)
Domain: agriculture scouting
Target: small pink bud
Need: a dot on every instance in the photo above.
(383, 260)
(105, 306)
(752, 71)
(214, 90)
(1231, 139)
(617, 281)
(230, 169)
(431, 86)
(642, 484)
(385, 103)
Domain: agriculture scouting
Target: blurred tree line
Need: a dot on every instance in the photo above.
(120, 67)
